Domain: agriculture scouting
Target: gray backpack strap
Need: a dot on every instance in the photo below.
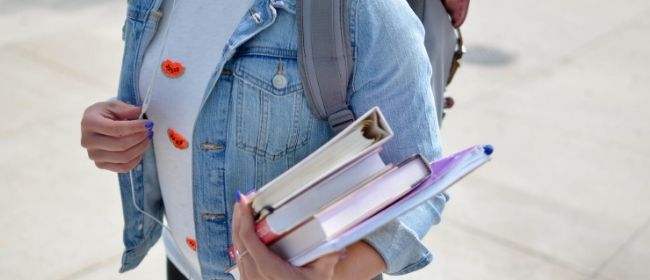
(325, 59)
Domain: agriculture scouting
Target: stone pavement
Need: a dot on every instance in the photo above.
(558, 87)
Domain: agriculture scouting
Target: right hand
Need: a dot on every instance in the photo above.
(114, 136)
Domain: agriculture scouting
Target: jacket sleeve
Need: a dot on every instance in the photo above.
(392, 71)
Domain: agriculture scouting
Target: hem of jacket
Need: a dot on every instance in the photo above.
(424, 261)
(131, 258)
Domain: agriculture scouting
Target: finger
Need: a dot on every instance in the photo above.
(121, 128)
(123, 111)
(235, 219)
(111, 118)
(265, 260)
(119, 167)
(235, 230)
(117, 128)
(239, 247)
(95, 141)
(245, 264)
(119, 157)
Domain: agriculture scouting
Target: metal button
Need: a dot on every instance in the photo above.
(280, 80)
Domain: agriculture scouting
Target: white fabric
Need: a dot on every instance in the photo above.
(196, 33)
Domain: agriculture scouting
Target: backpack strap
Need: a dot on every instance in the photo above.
(325, 59)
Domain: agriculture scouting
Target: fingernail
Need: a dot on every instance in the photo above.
(238, 196)
(150, 134)
(249, 192)
(148, 124)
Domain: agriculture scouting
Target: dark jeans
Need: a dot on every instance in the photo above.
(173, 273)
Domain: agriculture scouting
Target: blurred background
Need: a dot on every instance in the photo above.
(560, 88)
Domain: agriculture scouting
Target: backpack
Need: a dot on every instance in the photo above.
(325, 57)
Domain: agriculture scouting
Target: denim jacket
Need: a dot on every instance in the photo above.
(248, 131)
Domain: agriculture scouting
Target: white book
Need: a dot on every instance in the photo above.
(373, 196)
(308, 203)
(364, 135)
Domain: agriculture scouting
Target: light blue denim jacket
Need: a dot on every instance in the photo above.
(248, 132)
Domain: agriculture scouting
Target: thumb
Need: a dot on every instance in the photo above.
(123, 111)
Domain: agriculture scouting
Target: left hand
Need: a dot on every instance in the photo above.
(256, 261)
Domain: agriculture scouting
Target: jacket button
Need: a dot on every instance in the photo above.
(279, 81)
(213, 216)
(211, 147)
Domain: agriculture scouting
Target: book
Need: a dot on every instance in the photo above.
(444, 173)
(360, 138)
(374, 195)
(322, 194)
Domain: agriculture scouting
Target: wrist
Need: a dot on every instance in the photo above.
(361, 262)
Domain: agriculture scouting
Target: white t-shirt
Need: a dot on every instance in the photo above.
(193, 34)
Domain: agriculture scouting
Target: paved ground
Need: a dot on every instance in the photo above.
(559, 87)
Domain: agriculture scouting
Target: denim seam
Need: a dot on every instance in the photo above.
(259, 84)
(254, 149)
(425, 260)
(266, 51)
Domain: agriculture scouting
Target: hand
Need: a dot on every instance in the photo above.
(457, 9)
(258, 262)
(113, 136)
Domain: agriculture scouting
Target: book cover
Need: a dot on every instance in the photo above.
(322, 194)
(445, 173)
(354, 208)
(367, 133)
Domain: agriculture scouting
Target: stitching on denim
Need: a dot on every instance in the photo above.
(425, 260)
(267, 51)
(263, 85)
(255, 149)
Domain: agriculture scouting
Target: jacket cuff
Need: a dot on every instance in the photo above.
(399, 242)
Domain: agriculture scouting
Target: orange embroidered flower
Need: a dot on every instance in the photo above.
(172, 69)
(177, 139)
(191, 243)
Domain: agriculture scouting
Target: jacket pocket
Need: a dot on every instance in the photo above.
(272, 115)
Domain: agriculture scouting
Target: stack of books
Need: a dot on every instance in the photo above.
(344, 191)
